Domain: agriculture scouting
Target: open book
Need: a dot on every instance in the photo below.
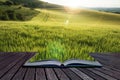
(68, 63)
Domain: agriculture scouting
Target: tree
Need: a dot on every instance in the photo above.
(9, 3)
(1, 3)
(5, 17)
(20, 17)
(11, 14)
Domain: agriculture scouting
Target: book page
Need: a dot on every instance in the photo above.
(43, 63)
(81, 62)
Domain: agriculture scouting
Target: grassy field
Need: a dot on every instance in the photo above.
(62, 34)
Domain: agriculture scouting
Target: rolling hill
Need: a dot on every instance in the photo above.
(81, 16)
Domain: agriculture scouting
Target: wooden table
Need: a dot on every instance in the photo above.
(11, 69)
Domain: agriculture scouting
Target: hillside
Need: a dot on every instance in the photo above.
(22, 9)
(77, 17)
(11, 11)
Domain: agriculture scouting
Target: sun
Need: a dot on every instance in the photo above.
(73, 4)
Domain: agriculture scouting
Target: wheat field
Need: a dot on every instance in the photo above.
(62, 35)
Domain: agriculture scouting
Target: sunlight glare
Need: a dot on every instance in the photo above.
(86, 3)
(66, 22)
(73, 4)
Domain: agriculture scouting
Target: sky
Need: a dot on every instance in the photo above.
(86, 3)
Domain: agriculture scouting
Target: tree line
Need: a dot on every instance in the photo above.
(19, 11)
(35, 4)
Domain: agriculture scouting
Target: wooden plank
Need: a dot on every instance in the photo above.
(71, 75)
(108, 60)
(30, 75)
(50, 74)
(109, 72)
(61, 75)
(112, 69)
(40, 74)
(5, 53)
(117, 55)
(108, 66)
(14, 69)
(91, 74)
(20, 74)
(2, 53)
(102, 74)
(9, 66)
(9, 60)
(81, 74)
(6, 59)
(4, 56)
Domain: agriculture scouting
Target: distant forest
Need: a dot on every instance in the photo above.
(113, 10)
(35, 4)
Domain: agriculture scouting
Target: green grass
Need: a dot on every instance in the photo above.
(62, 35)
